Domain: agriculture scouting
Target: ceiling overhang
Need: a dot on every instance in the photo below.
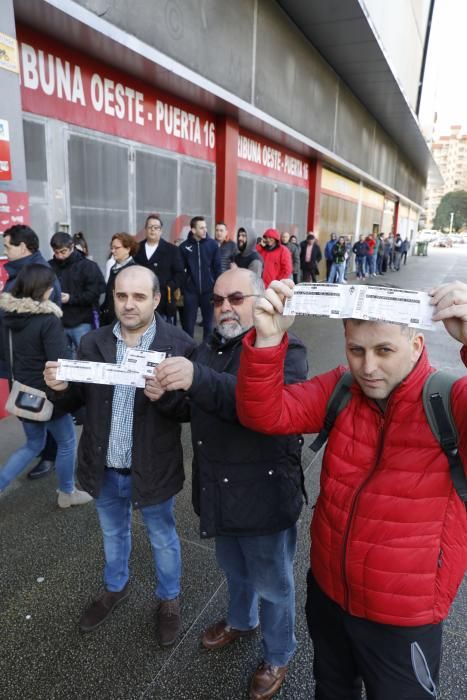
(81, 29)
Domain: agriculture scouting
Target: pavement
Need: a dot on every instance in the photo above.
(51, 564)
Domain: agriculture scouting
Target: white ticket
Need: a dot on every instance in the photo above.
(98, 373)
(405, 306)
(143, 361)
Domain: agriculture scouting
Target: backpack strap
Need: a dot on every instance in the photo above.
(338, 400)
(437, 404)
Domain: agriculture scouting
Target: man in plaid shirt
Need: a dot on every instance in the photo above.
(130, 451)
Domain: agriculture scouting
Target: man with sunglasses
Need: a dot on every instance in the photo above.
(247, 488)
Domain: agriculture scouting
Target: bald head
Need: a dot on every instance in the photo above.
(140, 273)
(136, 297)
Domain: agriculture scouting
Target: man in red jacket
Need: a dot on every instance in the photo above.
(389, 532)
(277, 259)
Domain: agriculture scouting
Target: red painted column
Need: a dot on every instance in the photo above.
(314, 196)
(395, 221)
(226, 172)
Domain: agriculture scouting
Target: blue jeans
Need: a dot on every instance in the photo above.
(191, 302)
(63, 431)
(261, 568)
(75, 334)
(114, 510)
(337, 273)
(360, 260)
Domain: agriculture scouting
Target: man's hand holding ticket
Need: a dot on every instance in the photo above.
(136, 366)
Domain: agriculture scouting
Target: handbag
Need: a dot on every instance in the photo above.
(25, 401)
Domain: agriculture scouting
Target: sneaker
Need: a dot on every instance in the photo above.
(42, 468)
(100, 608)
(168, 621)
(75, 498)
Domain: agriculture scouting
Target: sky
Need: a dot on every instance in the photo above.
(445, 85)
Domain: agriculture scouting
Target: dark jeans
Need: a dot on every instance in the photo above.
(395, 663)
(193, 300)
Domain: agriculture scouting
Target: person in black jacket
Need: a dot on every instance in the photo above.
(123, 247)
(21, 245)
(33, 334)
(165, 260)
(130, 451)
(82, 284)
(202, 261)
(310, 256)
(247, 487)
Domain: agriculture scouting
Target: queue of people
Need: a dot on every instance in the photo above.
(245, 392)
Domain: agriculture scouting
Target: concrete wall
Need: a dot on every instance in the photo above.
(252, 49)
(401, 27)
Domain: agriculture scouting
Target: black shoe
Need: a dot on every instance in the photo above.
(42, 468)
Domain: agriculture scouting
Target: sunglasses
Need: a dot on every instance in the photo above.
(234, 299)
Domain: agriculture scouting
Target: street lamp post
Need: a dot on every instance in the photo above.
(451, 218)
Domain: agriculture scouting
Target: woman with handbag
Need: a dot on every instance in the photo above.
(33, 334)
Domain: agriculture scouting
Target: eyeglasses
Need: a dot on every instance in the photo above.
(234, 299)
(153, 228)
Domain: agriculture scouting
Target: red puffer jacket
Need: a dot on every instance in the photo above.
(277, 263)
(389, 533)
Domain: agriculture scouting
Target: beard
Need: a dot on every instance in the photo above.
(229, 325)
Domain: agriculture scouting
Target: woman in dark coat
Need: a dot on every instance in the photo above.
(31, 324)
(123, 247)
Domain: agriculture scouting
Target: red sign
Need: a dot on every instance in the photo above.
(65, 84)
(5, 159)
(255, 155)
(14, 209)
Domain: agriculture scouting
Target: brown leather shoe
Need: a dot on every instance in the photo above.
(221, 634)
(266, 681)
(168, 621)
(100, 608)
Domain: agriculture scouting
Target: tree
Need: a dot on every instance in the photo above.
(455, 202)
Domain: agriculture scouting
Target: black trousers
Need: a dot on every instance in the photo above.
(395, 663)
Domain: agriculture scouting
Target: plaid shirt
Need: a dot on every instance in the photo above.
(120, 448)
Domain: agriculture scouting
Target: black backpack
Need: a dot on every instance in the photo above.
(437, 404)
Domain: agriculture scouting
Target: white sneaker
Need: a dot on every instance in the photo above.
(75, 498)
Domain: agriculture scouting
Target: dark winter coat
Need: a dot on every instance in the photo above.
(228, 251)
(157, 460)
(361, 249)
(316, 257)
(244, 483)
(167, 263)
(14, 267)
(202, 264)
(37, 336)
(84, 282)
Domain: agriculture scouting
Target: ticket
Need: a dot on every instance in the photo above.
(315, 299)
(143, 361)
(98, 373)
(404, 306)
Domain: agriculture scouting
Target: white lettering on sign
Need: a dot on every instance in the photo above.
(43, 74)
(52, 75)
(294, 166)
(117, 100)
(175, 121)
(272, 158)
(249, 150)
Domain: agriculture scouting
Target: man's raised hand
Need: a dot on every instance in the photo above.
(269, 322)
(450, 301)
